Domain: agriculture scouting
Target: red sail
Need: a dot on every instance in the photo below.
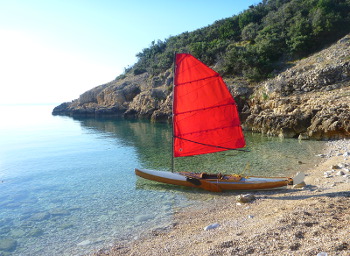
(205, 114)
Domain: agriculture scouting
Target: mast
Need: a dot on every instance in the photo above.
(172, 117)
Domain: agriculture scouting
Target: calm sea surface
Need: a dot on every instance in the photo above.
(67, 185)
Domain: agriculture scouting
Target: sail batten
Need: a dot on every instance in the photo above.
(202, 131)
(202, 109)
(205, 116)
(198, 80)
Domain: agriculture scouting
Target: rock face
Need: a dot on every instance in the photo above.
(133, 96)
(309, 100)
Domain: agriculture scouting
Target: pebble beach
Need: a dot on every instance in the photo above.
(313, 219)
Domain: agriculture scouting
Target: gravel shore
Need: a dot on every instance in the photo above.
(295, 221)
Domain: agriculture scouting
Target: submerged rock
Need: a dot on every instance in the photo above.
(59, 212)
(36, 232)
(17, 233)
(40, 216)
(143, 218)
(8, 244)
(84, 243)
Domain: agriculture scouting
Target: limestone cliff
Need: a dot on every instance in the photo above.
(309, 100)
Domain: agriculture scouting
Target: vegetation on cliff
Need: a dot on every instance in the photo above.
(257, 41)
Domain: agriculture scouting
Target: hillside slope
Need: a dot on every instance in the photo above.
(310, 99)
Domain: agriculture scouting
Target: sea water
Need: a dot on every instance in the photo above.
(67, 185)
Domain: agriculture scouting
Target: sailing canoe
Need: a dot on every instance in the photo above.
(214, 182)
(206, 120)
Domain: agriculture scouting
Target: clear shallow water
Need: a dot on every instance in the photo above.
(67, 186)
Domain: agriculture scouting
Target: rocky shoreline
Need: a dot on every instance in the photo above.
(310, 99)
(300, 221)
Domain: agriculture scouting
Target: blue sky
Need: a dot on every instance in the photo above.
(52, 51)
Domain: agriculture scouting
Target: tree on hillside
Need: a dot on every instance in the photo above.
(256, 42)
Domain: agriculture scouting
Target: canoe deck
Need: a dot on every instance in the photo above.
(214, 182)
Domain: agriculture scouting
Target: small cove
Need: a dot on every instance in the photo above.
(68, 184)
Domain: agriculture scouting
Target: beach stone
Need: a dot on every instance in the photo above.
(245, 198)
(342, 165)
(327, 174)
(8, 244)
(342, 246)
(346, 154)
(340, 173)
(212, 226)
(227, 244)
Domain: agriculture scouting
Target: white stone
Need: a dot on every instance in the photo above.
(327, 174)
(211, 226)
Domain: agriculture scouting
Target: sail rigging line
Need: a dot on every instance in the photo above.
(208, 145)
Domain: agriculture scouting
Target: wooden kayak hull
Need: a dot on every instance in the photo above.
(225, 182)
